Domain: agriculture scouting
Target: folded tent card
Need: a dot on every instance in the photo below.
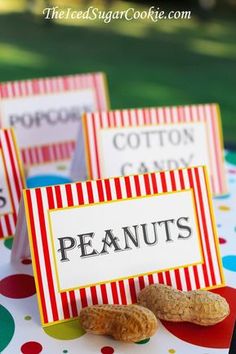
(11, 182)
(132, 141)
(46, 113)
(102, 241)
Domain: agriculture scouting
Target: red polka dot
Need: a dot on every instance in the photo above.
(217, 336)
(26, 261)
(31, 348)
(18, 286)
(222, 240)
(107, 350)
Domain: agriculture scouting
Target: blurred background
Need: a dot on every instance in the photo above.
(170, 62)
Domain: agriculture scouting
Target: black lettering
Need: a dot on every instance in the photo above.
(52, 117)
(188, 134)
(83, 245)
(167, 230)
(64, 248)
(64, 115)
(175, 137)
(160, 134)
(27, 120)
(3, 200)
(129, 235)
(110, 240)
(133, 141)
(147, 136)
(184, 227)
(159, 166)
(145, 235)
(117, 143)
(142, 168)
(13, 120)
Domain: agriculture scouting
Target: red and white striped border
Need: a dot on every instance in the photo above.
(55, 306)
(34, 87)
(208, 113)
(47, 153)
(15, 180)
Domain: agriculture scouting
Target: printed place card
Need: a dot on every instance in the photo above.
(46, 113)
(11, 182)
(102, 241)
(153, 139)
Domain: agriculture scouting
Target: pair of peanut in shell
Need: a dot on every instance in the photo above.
(133, 323)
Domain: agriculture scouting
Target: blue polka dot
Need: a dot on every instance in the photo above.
(225, 196)
(46, 180)
(229, 262)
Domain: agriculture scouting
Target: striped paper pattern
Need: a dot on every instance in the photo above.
(55, 306)
(15, 180)
(60, 84)
(47, 153)
(207, 113)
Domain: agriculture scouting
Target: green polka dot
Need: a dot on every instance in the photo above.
(8, 242)
(65, 351)
(28, 318)
(144, 341)
(66, 330)
(7, 326)
(231, 157)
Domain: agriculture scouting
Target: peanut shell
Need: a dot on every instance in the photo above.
(198, 306)
(127, 323)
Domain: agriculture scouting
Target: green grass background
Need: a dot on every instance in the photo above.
(147, 64)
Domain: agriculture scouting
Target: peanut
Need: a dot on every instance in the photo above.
(127, 323)
(199, 306)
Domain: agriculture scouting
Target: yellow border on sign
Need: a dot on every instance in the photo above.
(218, 123)
(214, 228)
(7, 184)
(196, 222)
(20, 165)
(107, 96)
(86, 147)
(220, 128)
(19, 160)
(222, 284)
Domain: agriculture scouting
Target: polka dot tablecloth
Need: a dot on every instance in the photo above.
(21, 333)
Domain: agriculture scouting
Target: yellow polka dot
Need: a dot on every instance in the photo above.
(172, 351)
(224, 208)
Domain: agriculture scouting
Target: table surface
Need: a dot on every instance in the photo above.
(21, 332)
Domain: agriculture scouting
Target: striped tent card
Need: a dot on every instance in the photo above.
(11, 182)
(46, 113)
(152, 139)
(102, 241)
